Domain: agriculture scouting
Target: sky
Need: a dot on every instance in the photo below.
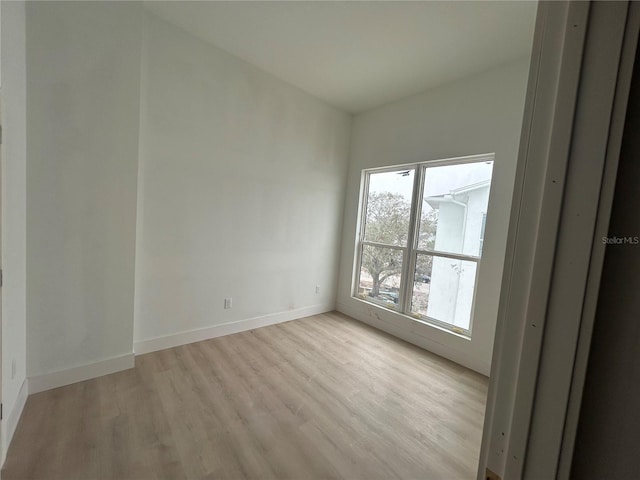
(438, 180)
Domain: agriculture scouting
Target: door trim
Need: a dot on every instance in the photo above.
(561, 204)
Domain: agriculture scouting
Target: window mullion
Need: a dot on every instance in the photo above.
(383, 245)
(455, 256)
(408, 270)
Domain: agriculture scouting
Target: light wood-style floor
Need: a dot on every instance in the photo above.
(321, 397)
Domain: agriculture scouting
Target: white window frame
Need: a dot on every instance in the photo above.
(410, 251)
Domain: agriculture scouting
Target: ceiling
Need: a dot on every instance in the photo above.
(358, 55)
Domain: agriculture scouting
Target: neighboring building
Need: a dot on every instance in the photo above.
(462, 215)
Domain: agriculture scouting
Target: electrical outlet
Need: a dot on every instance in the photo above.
(317, 289)
(228, 302)
(13, 369)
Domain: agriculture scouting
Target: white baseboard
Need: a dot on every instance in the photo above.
(197, 335)
(419, 340)
(13, 417)
(61, 378)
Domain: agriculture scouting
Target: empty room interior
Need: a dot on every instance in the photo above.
(255, 239)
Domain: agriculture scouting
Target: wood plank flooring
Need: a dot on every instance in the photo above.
(321, 397)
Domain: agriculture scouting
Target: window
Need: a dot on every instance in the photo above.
(421, 236)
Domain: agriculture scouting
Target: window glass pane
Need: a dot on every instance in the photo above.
(454, 204)
(421, 284)
(443, 289)
(380, 272)
(389, 207)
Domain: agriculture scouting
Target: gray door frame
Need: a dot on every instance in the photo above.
(581, 67)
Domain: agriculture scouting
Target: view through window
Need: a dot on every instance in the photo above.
(421, 238)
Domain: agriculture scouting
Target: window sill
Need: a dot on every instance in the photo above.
(436, 326)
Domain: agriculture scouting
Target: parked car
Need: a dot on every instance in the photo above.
(388, 296)
(422, 278)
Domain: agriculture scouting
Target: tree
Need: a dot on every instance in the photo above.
(387, 222)
(427, 240)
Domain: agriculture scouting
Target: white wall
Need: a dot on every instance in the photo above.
(241, 191)
(480, 114)
(14, 160)
(83, 65)
(241, 188)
